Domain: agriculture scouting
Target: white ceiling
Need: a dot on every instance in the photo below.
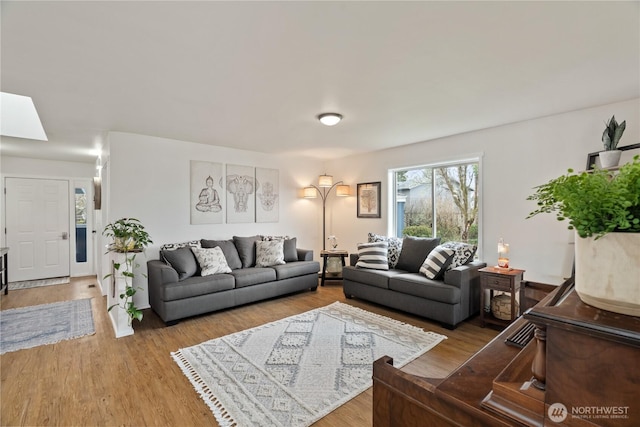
(254, 75)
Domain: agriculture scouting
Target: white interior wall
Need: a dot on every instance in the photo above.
(515, 158)
(149, 179)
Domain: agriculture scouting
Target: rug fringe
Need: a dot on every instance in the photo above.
(219, 412)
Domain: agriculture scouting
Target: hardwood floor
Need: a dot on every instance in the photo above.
(99, 380)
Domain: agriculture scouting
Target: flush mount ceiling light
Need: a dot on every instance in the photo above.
(330, 119)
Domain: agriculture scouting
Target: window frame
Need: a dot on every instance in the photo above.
(393, 193)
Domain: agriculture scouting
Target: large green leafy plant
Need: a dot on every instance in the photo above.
(129, 238)
(595, 202)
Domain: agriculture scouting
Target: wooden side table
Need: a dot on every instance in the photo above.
(332, 254)
(499, 279)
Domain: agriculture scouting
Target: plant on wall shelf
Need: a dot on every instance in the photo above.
(129, 238)
(612, 134)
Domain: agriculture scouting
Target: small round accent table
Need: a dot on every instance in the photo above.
(335, 253)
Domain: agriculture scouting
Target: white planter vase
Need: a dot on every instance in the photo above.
(609, 158)
(608, 272)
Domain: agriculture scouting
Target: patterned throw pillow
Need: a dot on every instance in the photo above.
(269, 252)
(173, 246)
(395, 247)
(464, 253)
(437, 261)
(373, 255)
(211, 260)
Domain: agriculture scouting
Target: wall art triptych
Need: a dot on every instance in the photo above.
(244, 193)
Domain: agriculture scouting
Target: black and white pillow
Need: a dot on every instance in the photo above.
(269, 252)
(464, 253)
(395, 247)
(373, 255)
(436, 262)
(211, 260)
(174, 246)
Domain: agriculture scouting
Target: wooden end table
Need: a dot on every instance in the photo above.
(499, 279)
(335, 253)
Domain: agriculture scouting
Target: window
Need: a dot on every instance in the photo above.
(439, 200)
(81, 225)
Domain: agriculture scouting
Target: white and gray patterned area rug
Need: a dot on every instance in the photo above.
(294, 371)
(37, 325)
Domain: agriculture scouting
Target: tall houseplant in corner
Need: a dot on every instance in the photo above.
(128, 238)
(603, 207)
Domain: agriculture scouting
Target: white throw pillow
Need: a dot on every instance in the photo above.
(395, 247)
(373, 255)
(269, 252)
(437, 262)
(211, 261)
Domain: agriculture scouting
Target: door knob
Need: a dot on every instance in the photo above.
(65, 235)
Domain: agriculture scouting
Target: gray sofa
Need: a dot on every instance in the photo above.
(449, 299)
(177, 289)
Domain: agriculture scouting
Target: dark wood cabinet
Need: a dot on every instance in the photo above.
(499, 279)
(581, 369)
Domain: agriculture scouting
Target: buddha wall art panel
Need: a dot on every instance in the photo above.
(267, 195)
(207, 193)
(240, 194)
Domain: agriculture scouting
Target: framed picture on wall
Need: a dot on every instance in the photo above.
(241, 194)
(369, 195)
(267, 195)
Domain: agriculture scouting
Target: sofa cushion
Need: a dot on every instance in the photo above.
(295, 269)
(229, 250)
(419, 286)
(246, 247)
(291, 250)
(437, 262)
(414, 252)
(269, 252)
(181, 260)
(253, 276)
(211, 260)
(196, 286)
(377, 278)
(395, 247)
(464, 253)
(373, 255)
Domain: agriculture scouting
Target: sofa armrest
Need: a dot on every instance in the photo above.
(353, 259)
(462, 276)
(305, 254)
(159, 272)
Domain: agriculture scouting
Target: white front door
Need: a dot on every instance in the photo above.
(37, 228)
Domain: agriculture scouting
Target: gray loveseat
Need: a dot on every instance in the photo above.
(450, 298)
(177, 288)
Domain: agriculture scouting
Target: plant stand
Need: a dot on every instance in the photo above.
(119, 318)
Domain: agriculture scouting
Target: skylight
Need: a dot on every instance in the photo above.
(19, 118)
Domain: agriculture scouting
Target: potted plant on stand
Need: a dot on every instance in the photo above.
(610, 138)
(603, 207)
(129, 238)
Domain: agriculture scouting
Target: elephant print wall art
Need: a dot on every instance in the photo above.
(240, 187)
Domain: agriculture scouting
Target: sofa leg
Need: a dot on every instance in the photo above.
(348, 296)
(171, 323)
(315, 288)
(448, 326)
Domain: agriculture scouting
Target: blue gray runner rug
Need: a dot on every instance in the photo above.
(37, 325)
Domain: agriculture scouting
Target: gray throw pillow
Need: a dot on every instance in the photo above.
(182, 261)
(290, 250)
(228, 249)
(246, 247)
(414, 252)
